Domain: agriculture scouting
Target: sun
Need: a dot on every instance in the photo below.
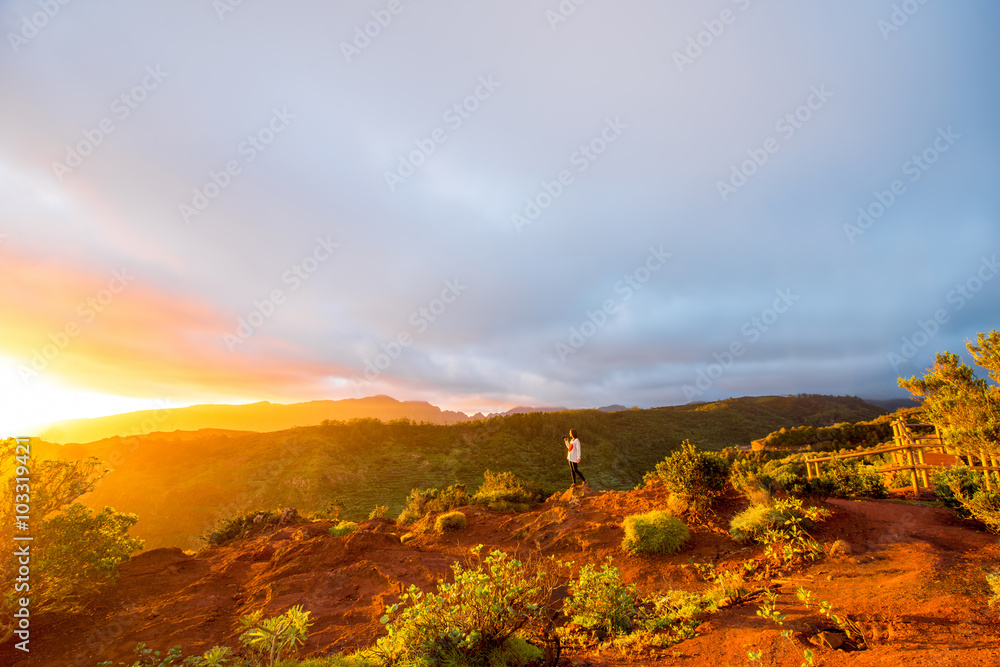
(27, 405)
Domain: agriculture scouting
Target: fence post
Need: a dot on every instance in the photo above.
(923, 471)
(986, 471)
(913, 472)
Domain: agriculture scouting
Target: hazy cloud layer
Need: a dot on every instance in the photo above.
(489, 204)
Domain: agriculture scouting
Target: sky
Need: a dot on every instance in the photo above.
(484, 205)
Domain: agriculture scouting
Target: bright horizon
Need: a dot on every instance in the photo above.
(489, 206)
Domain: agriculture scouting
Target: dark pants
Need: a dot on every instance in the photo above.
(576, 471)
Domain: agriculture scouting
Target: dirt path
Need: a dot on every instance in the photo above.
(914, 581)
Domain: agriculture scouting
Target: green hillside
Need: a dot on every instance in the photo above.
(181, 483)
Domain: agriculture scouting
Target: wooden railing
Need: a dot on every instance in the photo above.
(918, 453)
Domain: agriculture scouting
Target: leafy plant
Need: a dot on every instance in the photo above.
(267, 638)
(768, 609)
(852, 629)
(478, 613)
(379, 512)
(147, 657)
(758, 523)
(78, 553)
(698, 476)
(654, 532)
(217, 656)
(600, 599)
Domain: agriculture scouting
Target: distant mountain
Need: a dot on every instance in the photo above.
(612, 408)
(260, 417)
(893, 404)
(523, 410)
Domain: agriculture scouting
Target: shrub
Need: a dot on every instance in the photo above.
(782, 528)
(600, 599)
(343, 528)
(449, 522)
(238, 526)
(983, 506)
(379, 512)
(421, 503)
(78, 553)
(754, 523)
(852, 479)
(474, 616)
(962, 479)
(505, 489)
(655, 532)
(698, 476)
(677, 504)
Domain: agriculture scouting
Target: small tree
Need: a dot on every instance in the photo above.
(79, 552)
(964, 406)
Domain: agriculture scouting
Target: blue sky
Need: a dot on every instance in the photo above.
(483, 204)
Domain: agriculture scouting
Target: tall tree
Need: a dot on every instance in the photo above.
(965, 406)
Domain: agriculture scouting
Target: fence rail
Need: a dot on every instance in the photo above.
(918, 453)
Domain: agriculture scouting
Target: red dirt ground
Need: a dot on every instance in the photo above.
(914, 581)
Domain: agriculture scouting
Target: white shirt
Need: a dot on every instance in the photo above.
(574, 453)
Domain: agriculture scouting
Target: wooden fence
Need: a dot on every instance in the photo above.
(919, 451)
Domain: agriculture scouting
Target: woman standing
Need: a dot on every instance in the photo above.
(573, 455)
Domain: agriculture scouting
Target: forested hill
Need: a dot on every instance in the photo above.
(181, 483)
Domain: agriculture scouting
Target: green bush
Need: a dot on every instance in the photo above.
(449, 522)
(654, 532)
(961, 478)
(78, 552)
(699, 476)
(754, 523)
(239, 526)
(506, 487)
(476, 615)
(853, 479)
(379, 512)
(343, 528)
(420, 503)
(598, 598)
(781, 527)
